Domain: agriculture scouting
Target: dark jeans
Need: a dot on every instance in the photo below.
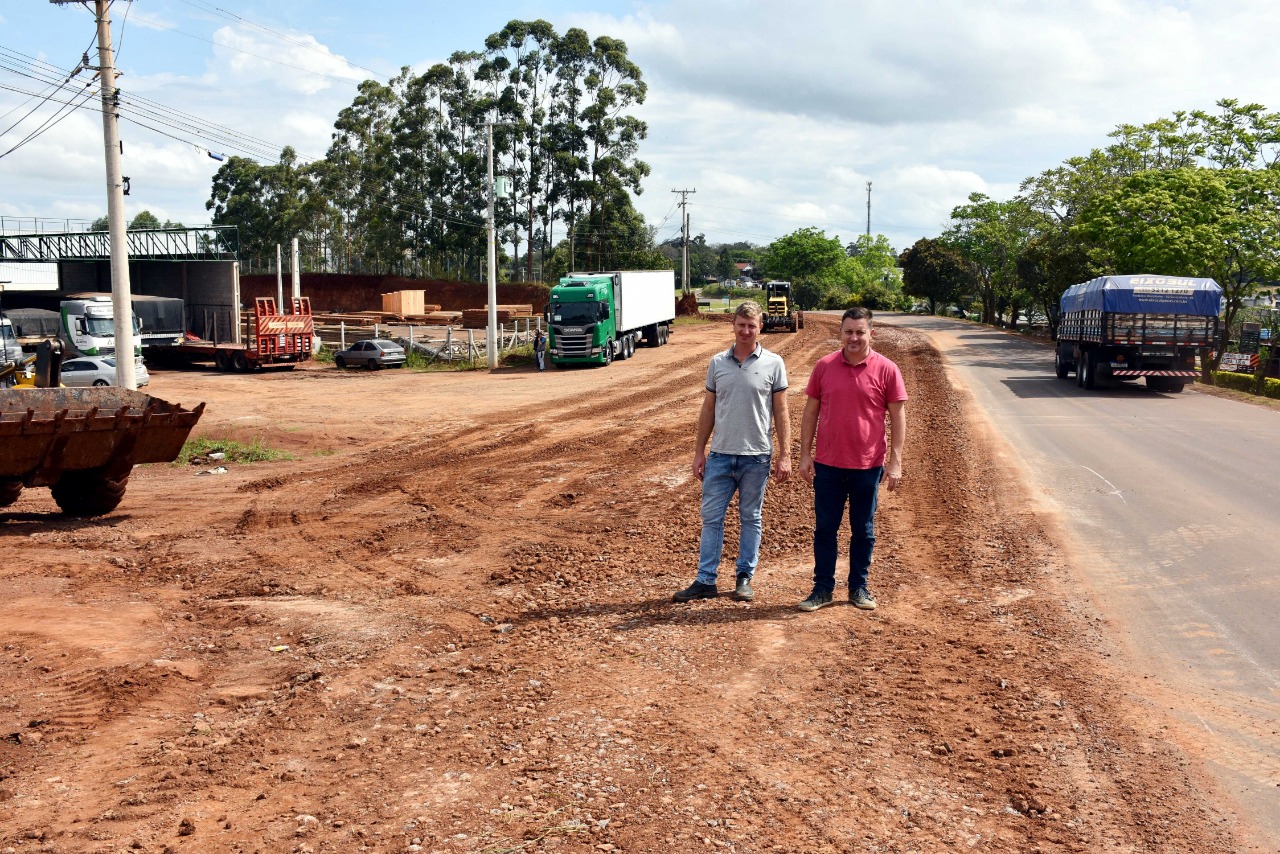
(832, 489)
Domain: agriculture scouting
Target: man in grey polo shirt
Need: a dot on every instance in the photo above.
(746, 398)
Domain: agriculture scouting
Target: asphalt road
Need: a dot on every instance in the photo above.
(1173, 506)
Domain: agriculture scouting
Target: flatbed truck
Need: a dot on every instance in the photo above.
(1120, 328)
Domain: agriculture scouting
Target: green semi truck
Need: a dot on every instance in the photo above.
(594, 318)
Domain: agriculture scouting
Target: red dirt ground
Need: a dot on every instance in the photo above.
(446, 626)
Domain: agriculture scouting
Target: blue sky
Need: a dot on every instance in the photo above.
(778, 113)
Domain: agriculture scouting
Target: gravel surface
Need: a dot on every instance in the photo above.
(446, 626)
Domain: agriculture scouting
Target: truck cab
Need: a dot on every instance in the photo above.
(10, 349)
(88, 325)
(581, 320)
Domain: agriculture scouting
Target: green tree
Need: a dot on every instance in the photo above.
(991, 235)
(936, 273)
(810, 261)
(1219, 223)
(726, 268)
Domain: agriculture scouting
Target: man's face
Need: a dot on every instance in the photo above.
(746, 330)
(855, 338)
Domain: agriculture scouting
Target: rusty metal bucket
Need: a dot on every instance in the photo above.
(48, 431)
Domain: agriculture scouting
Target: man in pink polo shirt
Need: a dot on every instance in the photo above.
(849, 393)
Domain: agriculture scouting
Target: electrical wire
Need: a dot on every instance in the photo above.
(66, 110)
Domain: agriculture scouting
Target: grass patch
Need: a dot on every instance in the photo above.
(324, 355)
(236, 452)
(690, 320)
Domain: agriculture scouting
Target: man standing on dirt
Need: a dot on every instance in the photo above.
(540, 350)
(849, 393)
(746, 399)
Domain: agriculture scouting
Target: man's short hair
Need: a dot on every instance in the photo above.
(750, 310)
(858, 312)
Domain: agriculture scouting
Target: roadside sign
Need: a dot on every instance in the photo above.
(1242, 362)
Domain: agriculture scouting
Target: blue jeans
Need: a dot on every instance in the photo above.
(832, 489)
(540, 356)
(746, 474)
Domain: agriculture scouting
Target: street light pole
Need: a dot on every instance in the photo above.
(491, 344)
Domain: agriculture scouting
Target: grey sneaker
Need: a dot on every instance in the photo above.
(696, 590)
(862, 598)
(815, 601)
(743, 591)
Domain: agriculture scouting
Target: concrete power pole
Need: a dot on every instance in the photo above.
(684, 238)
(491, 341)
(121, 297)
(296, 269)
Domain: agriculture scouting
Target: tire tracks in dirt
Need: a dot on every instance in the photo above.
(462, 639)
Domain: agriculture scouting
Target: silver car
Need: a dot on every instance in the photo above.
(97, 370)
(372, 353)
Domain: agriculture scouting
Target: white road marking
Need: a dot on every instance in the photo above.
(1114, 491)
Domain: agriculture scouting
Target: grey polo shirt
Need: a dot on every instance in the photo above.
(744, 400)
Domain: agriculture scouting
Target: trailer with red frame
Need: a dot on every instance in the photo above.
(276, 340)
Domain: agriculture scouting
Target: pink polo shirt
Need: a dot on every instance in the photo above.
(855, 399)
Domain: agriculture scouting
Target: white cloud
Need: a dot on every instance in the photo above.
(302, 65)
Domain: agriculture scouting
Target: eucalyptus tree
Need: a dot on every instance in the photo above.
(361, 172)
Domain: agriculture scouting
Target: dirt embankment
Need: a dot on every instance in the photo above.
(447, 627)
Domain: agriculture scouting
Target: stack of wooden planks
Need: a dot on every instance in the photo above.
(478, 318)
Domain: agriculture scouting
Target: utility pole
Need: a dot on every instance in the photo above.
(868, 209)
(491, 343)
(684, 237)
(121, 298)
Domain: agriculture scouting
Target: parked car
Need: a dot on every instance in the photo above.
(372, 353)
(97, 370)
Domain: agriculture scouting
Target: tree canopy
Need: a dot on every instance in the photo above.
(403, 187)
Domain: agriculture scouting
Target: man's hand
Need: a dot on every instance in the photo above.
(893, 475)
(699, 464)
(806, 467)
(782, 468)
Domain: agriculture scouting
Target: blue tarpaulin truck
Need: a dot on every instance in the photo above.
(1124, 327)
(594, 318)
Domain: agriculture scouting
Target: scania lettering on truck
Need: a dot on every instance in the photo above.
(594, 318)
(1125, 327)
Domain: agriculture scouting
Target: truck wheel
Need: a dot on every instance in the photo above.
(1157, 383)
(631, 346)
(608, 353)
(240, 362)
(222, 360)
(1088, 377)
(9, 491)
(1175, 387)
(1059, 366)
(89, 492)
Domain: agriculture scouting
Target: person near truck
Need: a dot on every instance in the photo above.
(540, 350)
(745, 401)
(849, 393)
